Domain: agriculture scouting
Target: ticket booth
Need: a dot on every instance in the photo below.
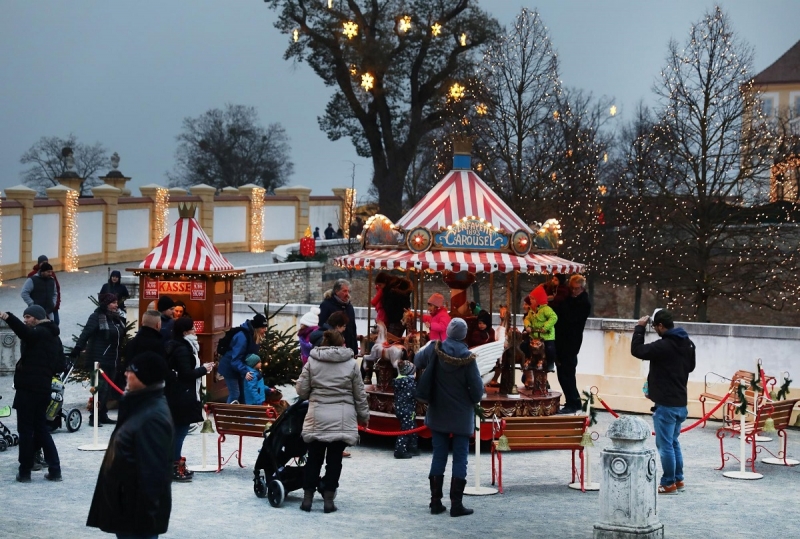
(187, 267)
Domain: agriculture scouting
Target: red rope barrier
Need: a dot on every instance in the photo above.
(109, 382)
(684, 429)
(392, 433)
(608, 409)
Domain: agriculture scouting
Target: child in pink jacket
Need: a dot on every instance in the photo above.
(438, 319)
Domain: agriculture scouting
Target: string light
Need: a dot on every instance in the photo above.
(71, 247)
(349, 209)
(161, 213)
(350, 29)
(257, 219)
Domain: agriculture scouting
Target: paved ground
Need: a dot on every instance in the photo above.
(383, 497)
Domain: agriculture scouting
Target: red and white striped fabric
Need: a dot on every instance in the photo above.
(458, 261)
(461, 194)
(186, 248)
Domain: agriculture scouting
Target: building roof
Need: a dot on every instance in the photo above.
(186, 248)
(461, 193)
(785, 69)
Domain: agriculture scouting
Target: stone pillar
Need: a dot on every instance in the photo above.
(24, 195)
(247, 190)
(205, 215)
(116, 179)
(70, 179)
(59, 193)
(301, 218)
(628, 490)
(150, 191)
(109, 195)
(9, 351)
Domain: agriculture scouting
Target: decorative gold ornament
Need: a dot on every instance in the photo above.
(502, 443)
(367, 81)
(769, 425)
(586, 440)
(436, 29)
(350, 29)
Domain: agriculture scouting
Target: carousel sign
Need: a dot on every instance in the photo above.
(472, 234)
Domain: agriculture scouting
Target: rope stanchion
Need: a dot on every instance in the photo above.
(95, 445)
(393, 432)
(110, 383)
(684, 429)
(607, 407)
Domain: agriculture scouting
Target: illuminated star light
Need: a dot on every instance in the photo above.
(436, 29)
(457, 91)
(350, 29)
(463, 40)
(405, 24)
(613, 110)
(367, 81)
(481, 109)
(296, 34)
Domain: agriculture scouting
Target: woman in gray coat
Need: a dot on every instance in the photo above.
(337, 404)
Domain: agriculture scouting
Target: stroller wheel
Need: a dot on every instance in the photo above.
(260, 486)
(15, 439)
(74, 420)
(8, 439)
(276, 494)
(3, 444)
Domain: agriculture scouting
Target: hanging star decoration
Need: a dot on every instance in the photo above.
(463, 40)
(367, 81)
(457, 91)
(481, 109)
(350, 29)
(436, 29)
(330, 4)
(296, 34)
(404, 25)
(613, 110)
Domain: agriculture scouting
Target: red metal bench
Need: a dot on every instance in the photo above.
(239, 420)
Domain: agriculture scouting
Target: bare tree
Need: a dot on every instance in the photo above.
(392, 65)
(47, 162)
(229, 148)
(718, 151)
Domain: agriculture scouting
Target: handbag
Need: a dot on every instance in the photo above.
(427, 381)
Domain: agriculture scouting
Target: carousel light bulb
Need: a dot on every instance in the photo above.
(367, 81)
(296, 35)
(350, 29)
(463, 40)
(436, 29)
(404, 25)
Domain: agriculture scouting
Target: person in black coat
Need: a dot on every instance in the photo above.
(165, 305)
(339, 300)
(183, 385)
(115, 286)
(148, 338)
(457, 387)
(572, 314)
(42, 357)
(103, 334)
(396, 299)
(133, 495)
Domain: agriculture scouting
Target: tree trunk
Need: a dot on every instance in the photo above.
(637, 301)
(389, 182)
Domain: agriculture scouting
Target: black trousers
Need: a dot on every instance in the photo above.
(33, 431)
(331, 454)
(566, 377)
(103, 388)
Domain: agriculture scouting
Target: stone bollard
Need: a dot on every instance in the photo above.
(629, 486)
(9, 349)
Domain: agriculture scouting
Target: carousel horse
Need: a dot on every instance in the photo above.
(383, 348)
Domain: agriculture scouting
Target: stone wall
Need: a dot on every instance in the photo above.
(288, 282)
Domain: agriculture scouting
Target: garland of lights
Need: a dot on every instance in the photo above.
(257, 219)
(71, 247)
(161, 213)
(349, 210)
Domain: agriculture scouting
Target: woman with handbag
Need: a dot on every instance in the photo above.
(183, 386)
(452, 386)
(337, 404)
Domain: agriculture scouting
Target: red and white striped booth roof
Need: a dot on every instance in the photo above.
(461, 194)
(186, 248)
(472, 262)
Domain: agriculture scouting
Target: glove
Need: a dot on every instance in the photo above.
(75, 353)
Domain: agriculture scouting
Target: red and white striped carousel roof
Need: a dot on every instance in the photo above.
(461, 194)
(472, 262)
(186, 248)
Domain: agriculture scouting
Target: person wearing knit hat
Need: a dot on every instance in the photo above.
(255, 392)
(164, 305)
(437, 318)
(140, 447)
(115, 286)
(102, 338)
(42, 358)
(455, 390)
(540, 323)
(483, 333)
(308, 324)
(405, 406)
(245, 340)
(40, 289)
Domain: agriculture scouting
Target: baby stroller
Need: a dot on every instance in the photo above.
(7, 439)
(273, 478)
(55, 410)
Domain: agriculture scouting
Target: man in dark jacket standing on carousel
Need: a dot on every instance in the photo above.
(339, 300)
(42, 357)
(572, 314)
(671, 359)
(133, 496)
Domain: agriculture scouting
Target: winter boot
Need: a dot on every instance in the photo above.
(328, 497)
(401, 454)
(457, 508)
(413, 446)
(184, 470)
(308, 499)
(177, 473)
(91, 422)
(437, 482)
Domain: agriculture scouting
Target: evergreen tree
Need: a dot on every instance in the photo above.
(279, 352)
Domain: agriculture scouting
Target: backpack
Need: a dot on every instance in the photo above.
(224, 344)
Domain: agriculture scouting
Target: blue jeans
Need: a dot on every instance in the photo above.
(441, 441)
(667, 425)
(180, 435)
(234, 384)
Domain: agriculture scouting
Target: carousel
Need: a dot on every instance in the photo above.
(459, 229)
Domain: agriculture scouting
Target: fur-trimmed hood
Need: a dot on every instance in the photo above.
(452, 360)
(332, 354)
(401, 286)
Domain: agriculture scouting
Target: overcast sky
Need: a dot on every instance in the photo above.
(126, 73)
